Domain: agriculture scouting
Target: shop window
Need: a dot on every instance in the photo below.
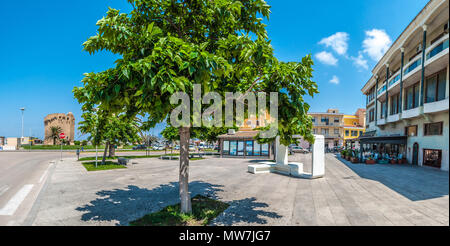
(411, 131)
(226, 147)
(432, 157)
(336, 131)
(431, 129)
(354, 133)
(347, 132)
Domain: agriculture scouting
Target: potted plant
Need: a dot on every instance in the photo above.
(393, 161)
(355, 158)
(343, 153)
(370, 161)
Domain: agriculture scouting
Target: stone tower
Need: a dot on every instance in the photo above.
(65, 121)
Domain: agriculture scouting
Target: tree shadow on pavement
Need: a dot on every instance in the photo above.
(133, 202)
(121, 206)
(245, 210)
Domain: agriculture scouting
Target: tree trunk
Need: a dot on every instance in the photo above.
(105, 152)
(112, 150)
(184, 170)
(54, 141)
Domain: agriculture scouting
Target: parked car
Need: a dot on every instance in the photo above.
(191, 147)
(139, 146)
(158, 148)
(177, 147)
(298, 149)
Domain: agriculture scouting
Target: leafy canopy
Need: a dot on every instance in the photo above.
(167, 46)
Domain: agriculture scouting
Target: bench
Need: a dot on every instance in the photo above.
(260, 168)
(123, 161)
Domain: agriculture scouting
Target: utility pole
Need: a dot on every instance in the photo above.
(21, 140)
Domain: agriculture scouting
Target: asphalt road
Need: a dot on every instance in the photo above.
(22, 176)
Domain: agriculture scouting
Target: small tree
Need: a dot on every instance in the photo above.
(112, 130)
(168, 46)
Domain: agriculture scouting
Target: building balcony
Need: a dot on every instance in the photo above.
(412, 67)
(436, 107)
(395, 80)
(437, 50)
(411, 113)
(381, 91)
(381, 122)
(393, 118)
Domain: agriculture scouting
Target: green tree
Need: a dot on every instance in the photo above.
(167, 46)
(113, 130)
(54, 133)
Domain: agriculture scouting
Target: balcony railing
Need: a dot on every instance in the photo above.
(394, 80)
(382, 89)
(438, 49)
(412, 66)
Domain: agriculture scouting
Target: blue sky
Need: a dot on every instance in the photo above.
(42, 58)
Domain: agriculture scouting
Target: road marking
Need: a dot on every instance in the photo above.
(43, 176)
(45, 173)
(11, 207)
(3, 189)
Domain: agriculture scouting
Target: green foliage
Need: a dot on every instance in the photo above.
(115, 129)
(167, 46)
(204, 210)
(76, 142)
(54, 133)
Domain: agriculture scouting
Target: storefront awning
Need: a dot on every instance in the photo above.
(383, 140)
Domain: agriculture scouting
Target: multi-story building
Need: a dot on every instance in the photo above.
(330, 125)
(408, 92)
(354, 127)
(338, 128)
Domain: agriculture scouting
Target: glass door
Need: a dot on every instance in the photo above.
(249, 148)
(240, 148)
(233, 148)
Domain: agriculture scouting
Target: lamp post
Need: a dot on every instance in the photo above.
(21, 140)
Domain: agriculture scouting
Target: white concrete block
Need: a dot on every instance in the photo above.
(281, 152)
(259, 168)
(318, 157)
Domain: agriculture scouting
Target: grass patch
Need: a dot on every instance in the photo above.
(196, 158)
(92, 158)
(90, 166)
(204, 210)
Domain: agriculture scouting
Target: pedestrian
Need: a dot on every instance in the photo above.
(78, 154)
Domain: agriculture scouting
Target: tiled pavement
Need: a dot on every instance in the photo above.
(349, 194)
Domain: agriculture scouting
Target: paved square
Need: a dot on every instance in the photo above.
(350, 194)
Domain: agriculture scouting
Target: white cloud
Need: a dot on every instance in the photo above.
(337, 41)
(326, 58)
(360, 61)
(334, 80)
(376, 43)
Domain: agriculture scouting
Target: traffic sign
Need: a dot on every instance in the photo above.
(62, 135)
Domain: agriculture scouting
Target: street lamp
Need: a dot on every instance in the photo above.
(22, 109)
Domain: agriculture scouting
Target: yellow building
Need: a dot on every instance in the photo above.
(338, 128)
(354, 126)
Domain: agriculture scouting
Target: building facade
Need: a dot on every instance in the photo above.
(242, 143)
(338, 129)
(65, 121)
(329, 124)
(354, 127)
(408, 93)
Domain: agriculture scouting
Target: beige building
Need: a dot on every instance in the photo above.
(330, 125)
(65, 121)
(408, 92)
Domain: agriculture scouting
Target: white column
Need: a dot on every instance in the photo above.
(281, 152)
(318, 157)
